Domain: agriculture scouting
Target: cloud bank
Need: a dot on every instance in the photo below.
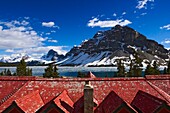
(19, 37)
(167, 27)
(48, 24)
(95, 22)
(15, 34)
(143, 4)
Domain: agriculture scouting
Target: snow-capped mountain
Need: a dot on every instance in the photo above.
(30, 60)
(16, 58)
(53, 56)
(104, 49)
(119, 42)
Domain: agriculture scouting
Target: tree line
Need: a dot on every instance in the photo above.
(22, 70)
(135, 69)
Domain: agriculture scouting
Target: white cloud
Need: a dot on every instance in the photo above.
(167, 27)
(47, 33)
(114, 14)
(13, 23)
(48, 24)
(166, 41)
(56, 27)
(19, 37)
(143, 3)
(95, 22)
(38, 52)
(9, 50)
(53, 31)
(17, 34)
(143, 14)
(55, 41)
(123, 13)
(27, 18)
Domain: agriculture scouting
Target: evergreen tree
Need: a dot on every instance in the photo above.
(5, 72)
(130, 73)
(29, 72)
(14, 74)
(22, 69)
(55, 73)
(165, 71)
(155, 67)
(120, 68)
(8, 73)
(152, 70)
(168, 69)
(51, 71)
(149, 70)
(80, 75)
(2, 73)
(135, 66)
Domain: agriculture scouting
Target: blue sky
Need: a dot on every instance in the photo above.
(35, 26)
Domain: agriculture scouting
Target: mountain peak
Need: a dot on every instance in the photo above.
(106, 46)
(117, 27)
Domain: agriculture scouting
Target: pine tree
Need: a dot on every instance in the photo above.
(168, 69)
(22, 69)
(149, 70)
(153, 70)
(2, 73)
(130, 73)
(55, 73)
(8, 73)
(51, 71)
(137, 65)
(120, 68)
(155, 67)
(165, 71)
(29, 72)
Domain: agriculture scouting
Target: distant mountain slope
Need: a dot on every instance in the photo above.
(53, 56)
(119, 42)
(104, 49)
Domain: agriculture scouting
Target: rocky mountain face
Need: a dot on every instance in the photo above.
(105, 48)
(119, 42)
(53, 56)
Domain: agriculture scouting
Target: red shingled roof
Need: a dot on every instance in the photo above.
(64, 102)
(8, 88)
(49, 89)
(30, 103)
(111, 103)
(162, 81)
(79, 105)
(147, 103)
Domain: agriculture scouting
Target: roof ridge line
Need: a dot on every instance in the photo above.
(10, 94)
(160, 91)
(17, 91)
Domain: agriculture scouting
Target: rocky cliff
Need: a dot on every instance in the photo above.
(119, 42)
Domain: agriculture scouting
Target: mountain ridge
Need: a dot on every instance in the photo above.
(120, 41)
(105, 47)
